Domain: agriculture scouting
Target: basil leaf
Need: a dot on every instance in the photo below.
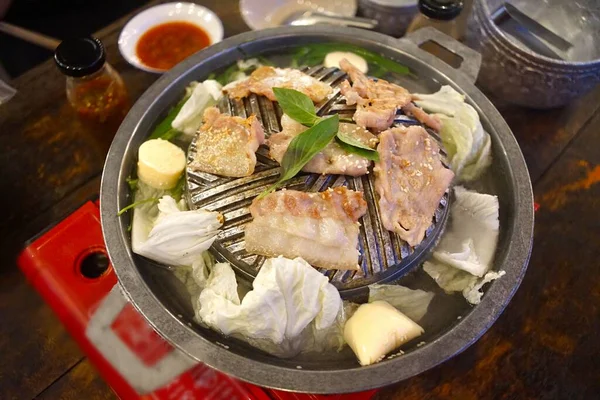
(362, 150)
(306, 145)
(296, 105)
(303, 148)
(344, 137)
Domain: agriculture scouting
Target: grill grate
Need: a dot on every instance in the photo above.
(384, 256)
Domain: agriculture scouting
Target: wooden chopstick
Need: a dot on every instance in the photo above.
(36, 38)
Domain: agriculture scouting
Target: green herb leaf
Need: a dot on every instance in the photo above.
(177, 191)
(264, 61)
(163, 129)
(344, 137)
(227, 76)
(132, 183)
(137, 203)
(369, 154)
(314, 54)
(304, 147)
(171, 134)
(296, 105)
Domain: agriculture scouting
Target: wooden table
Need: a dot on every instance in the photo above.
(544, 346)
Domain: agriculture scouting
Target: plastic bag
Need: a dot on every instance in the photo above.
(6, 92)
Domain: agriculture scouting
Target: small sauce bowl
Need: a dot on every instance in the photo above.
(192, 13)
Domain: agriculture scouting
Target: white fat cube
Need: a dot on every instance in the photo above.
(333, 60)
(376, 329)
(160, 163)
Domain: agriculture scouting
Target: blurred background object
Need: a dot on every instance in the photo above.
(305, 18)
(36, 38)
(59, 19)
(394, 16)
(261, 14)
(6, 92)
(439, 14)
(533, 77)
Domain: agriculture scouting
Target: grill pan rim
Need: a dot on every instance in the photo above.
(513, 258)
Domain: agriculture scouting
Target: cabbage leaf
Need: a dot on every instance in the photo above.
(412, 303)
(291, 307)
(461, 262)
(466, 142)
(174, 237)
(203, 95)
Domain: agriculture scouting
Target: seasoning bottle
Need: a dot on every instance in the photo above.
(94, 89)
(439, 14)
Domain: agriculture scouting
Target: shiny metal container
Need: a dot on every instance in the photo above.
(518, 75)
(164, 301)
(393, 20)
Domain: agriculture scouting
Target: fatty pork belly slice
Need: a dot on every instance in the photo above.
(431, 121)
(322, 228)
(264, 79)
(226, 145)
(376, 100)
(332, 159)
(410, 180)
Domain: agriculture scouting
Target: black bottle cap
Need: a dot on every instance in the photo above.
(80, 57)
(444, 10)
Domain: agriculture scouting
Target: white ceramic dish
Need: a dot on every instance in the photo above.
(170, 12)
(261, 14)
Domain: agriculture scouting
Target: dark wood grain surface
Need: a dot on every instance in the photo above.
(544, 346)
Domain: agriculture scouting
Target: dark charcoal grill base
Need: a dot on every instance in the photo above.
(384, 256)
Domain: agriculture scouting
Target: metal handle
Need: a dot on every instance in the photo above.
(471, 60)
(537, 28)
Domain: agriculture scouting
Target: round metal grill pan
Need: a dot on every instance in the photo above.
(384, 256)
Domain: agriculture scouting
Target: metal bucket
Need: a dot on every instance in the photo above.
(165, 302)
(520, 76)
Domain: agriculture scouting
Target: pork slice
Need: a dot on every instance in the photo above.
(322, 228)
(410, 181)
(226, 145)
(264, 79)
(376, 100)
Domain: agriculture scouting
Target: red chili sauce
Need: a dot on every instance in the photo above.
(101, 99)
(165, 45)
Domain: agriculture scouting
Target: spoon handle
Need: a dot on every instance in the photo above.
(537, 28)
(357, 22)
